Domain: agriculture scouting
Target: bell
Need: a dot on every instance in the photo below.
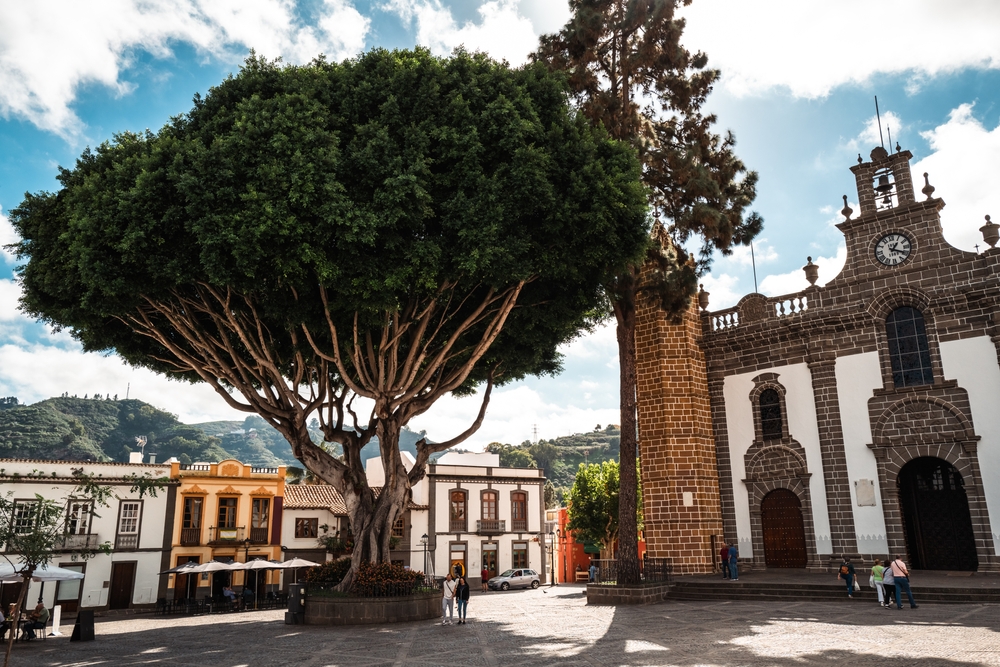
(887, 200)
(883, 184)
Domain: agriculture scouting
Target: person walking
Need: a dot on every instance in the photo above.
(889, 584)
(462, 593)
(448, 600)
(724, 556)
(484, 576)
(593, 571)
(734, 570)
(877, 581)
(847, 574)
(902, 577)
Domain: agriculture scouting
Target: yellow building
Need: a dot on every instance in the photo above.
(225, 511)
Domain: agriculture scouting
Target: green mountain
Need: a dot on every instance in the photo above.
(561, 457)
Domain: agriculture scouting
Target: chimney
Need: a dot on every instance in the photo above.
(135, 457)
(152, 458)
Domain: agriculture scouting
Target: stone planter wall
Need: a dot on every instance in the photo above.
(615, 595)
(328, 610)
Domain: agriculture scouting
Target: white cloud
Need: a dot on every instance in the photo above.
(762, 253)
(795, 280)
(723, 290)
(811, 47)
(503, 31)
(964, 169)
(49, 48)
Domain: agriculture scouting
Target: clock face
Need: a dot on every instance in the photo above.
(892, 249)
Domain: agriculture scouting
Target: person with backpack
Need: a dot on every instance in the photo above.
(847, 574)
(902, 577)
(724, 556)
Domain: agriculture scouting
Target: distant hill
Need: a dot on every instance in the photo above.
(105, 429)
(561, 457)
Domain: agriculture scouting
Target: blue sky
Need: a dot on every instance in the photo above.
(797, 90)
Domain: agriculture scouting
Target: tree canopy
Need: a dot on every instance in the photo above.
(594, 505)
(394, 227)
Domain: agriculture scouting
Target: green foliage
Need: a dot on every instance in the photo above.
(593, 504)
(385, 579)
(512, 456)
(330, 573)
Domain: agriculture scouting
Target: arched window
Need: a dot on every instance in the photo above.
(770, 414)
(908, 351)
(458, 514)
(489, 505)
(519, 511)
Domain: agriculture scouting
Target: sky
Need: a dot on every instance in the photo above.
(797, 89)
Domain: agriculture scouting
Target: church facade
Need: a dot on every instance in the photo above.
(858, 418)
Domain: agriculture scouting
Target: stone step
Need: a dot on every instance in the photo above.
(691, 590)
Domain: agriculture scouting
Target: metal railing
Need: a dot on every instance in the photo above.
(379, 590)
(258, 535)
(651, 571)
(491, 526)
(225, 535)
(190, 537)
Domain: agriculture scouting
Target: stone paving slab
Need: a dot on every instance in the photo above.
(554, 626)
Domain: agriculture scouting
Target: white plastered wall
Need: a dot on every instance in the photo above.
(858, 376)
(973, 363)
(801, 408)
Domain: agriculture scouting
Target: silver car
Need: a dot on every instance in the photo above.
(520, 578)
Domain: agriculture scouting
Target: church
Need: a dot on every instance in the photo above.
(859, 418)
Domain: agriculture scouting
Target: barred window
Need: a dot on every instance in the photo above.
(909, 353)
(25, 516)
(128, 521)
(398, 528)
(770, 414)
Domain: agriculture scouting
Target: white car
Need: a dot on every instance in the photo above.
(521, 578)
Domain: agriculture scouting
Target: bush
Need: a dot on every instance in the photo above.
(385, 579)
(329, 574)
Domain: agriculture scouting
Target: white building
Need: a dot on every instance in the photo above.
(138, 530)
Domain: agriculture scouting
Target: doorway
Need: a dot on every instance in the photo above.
(68, 591)
(936, 518)
(490, 559)
(186, 585)
(784, 530)
(122, 583)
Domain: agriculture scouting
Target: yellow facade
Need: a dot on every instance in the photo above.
(225, 511)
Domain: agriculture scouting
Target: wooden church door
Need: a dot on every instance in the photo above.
(784, 531)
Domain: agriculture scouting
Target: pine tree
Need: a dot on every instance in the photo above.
(629, 72)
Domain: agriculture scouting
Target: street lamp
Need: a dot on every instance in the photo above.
(552, 556)
(423, 541)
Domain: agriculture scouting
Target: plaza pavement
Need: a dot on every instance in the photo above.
(554, 626)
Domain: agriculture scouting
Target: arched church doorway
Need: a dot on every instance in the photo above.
(784, 531)
(936, 517)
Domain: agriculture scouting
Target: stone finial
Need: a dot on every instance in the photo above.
(860, 161)
(898, 149)
(928, 189)
(812, 270)
(990, 232)
(847, 211)
(878, 154)
(702, 297)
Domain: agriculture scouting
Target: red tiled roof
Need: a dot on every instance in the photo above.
(324, 496)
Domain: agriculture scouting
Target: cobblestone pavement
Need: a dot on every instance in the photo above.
(555, 626)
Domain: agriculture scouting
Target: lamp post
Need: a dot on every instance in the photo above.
(423, 541)
(552, 556)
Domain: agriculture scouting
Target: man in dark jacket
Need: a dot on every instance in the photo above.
(462, 595)
(724, 556)
(846, 573)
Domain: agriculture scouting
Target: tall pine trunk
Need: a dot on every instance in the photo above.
(16, 616)
(628, 537)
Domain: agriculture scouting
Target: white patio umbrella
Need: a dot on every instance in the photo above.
(295, 564)
(10, 574)
(183, 568)
(216, 566)
(256, 565)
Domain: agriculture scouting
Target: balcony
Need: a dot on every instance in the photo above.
(457, 526)
(127, 542)
(519, 525)
(79, 542)
(225, 535)
(190, 537)
(258, 535)
(491, 526)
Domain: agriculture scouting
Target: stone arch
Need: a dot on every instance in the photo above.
(775, 461)
(879, 309)
(894, 297)
(918, 419)
(762, 383)
(756, 490)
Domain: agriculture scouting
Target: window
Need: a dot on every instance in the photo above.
(909, 354)
(305, 528)
(489, 505)
(398, 528)
(192, 512)
(227, 512)
(770, 414)
(25, 516)
(519, 511)
(457, 512)
(259, 515)
(78, 518)
(128, 519)
(520, 555)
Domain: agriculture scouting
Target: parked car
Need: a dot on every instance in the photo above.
(514, 579)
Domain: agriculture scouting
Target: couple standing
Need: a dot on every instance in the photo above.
(730, 559)
(452, 590)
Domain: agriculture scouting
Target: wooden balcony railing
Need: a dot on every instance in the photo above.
(491, 526)
(258, 535)
(519, 525)
(127, 542)
(225, 535)
(457, 526)
(190, 537)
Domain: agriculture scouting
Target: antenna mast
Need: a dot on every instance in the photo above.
(753, 262)
(879, 117)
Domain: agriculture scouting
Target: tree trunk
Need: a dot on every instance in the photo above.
(17, 615)
(628, 538)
